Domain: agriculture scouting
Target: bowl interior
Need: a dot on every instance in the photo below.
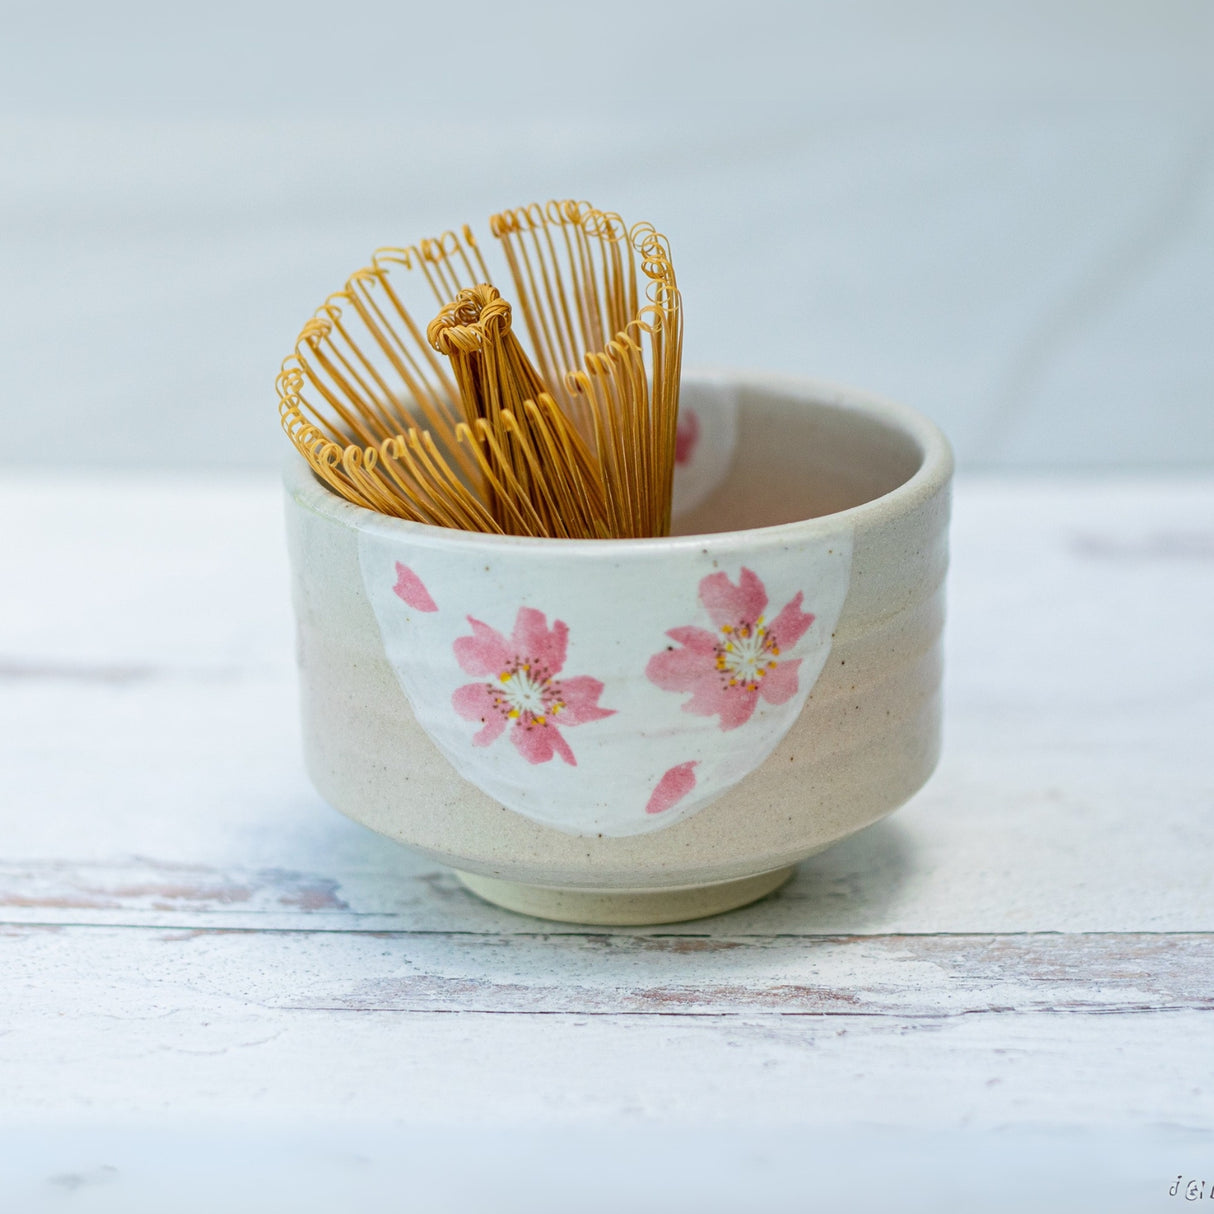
(799, 456)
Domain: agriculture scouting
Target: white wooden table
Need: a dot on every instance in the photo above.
(216, 990)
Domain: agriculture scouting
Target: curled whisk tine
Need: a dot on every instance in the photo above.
(605, 225)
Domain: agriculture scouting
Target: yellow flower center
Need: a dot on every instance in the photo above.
(525, 695)
(745, 654)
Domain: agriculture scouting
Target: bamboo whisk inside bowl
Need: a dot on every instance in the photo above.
(459, 423)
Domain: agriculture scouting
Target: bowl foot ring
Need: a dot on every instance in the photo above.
(629, 907)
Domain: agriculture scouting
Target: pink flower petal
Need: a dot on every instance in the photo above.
(730, 604)
(484, 652)
(780, 685)
(682, 669)
(538, 743)
(474, 702)
(580, 696)
(672, 788)
(686, 435)
(791, 624)
(411, 589)
(735, 705)
(711, 698)
(532, 639)
(698, 639)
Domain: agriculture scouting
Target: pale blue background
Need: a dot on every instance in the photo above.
(1000, 213)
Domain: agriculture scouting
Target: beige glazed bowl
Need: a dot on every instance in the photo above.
(642, 731)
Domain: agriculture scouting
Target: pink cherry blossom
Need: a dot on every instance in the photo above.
(521, 688)
(745, 659)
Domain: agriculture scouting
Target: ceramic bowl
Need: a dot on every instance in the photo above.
(628, 731)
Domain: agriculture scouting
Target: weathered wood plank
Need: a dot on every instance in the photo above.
(266, 1025)
(901, 977)
(149, 1166)
(935, 866)
(154, 1165)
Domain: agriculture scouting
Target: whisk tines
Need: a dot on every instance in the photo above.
(458, 423)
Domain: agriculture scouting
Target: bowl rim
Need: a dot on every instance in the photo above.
(933, 474)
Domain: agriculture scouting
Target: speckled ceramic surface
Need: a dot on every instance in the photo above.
(622, 721)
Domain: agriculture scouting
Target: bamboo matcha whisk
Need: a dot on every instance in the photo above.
(455, 423)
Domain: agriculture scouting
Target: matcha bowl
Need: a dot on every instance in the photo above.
(642, 731)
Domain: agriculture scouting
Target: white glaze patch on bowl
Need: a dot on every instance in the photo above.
(598, 693)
